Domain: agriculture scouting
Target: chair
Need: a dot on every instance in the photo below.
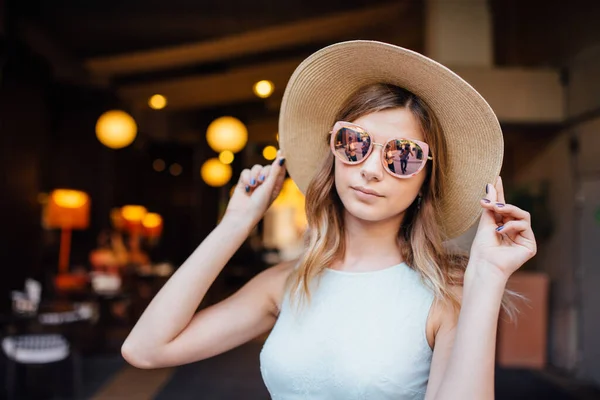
(39, 349)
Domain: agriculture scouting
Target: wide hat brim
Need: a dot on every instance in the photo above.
(326, 79)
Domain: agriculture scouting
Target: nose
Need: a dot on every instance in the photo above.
(371, 168)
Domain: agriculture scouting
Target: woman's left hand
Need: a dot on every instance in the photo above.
(504, 239)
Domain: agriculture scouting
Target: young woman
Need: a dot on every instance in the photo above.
(405, 154)
(377, 307)
(389, 155)
(351, 150)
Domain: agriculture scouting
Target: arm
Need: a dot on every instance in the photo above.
(464, 353)
(169, 332)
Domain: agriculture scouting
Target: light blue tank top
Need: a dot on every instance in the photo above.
(363, 336)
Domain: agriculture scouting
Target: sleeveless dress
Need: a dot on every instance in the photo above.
(363, 336)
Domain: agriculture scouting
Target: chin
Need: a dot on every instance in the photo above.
(369, 212)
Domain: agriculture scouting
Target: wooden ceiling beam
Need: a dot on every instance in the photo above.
(211, 90)
(308, 31)
(65, 67)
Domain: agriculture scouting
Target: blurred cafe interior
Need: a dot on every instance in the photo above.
(125, 126)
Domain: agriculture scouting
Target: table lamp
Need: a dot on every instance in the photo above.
(67, 210)
(152, 225)
(132, 217)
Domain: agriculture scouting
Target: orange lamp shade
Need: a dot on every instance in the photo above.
(133, 216)
(153, 225)
(67, 209)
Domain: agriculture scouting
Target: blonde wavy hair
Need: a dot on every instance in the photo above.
(421, 239)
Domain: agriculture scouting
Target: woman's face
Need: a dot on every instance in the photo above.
(392, 195)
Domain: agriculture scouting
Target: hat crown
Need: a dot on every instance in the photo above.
(324, 81)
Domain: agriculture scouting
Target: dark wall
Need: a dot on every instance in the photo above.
(48, 141)
(2, 16)
(24, 128)
(543, 33)
(75, 159)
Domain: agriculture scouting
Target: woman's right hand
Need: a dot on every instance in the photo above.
(256, 189)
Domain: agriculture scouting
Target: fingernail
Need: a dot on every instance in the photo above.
(486, 188)
(261, 178)
(500, 204)
(498, 229)
(281, 161)
(252, 181)
(485, 200)
(247, 189)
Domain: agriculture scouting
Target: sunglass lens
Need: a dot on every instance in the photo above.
(351, 145)
(404, 157)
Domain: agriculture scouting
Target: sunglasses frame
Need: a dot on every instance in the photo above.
(343, 124)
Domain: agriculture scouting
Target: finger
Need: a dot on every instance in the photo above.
(490, 193)
(244, 178)
(490, 208)
(244, 182)
(264, 173)
(499, 186)
(255, 172)
(489, 216)
(517, 228)
(499, 217)
(276, 172)
(509, 210)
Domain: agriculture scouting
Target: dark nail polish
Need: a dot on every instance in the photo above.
(261, 178)
(281, 161)
(486, 188)
(247, 189)
(485, 200)
(498, 229)
(252, 181)
(500, 204)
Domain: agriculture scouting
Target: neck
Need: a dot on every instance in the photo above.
(370, 245)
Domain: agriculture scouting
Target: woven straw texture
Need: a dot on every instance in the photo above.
(324, 81)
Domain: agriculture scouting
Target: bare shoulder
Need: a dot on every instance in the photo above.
(274, 281)
(443, 315)
(277, 275)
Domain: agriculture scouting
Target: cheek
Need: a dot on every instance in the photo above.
(407, 190)
(346, 176)
(341, 178)
(403, 194)
(400, 194)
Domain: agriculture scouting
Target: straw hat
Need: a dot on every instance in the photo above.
(325, 80)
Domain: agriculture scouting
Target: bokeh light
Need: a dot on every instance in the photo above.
(215, 173)
(227, 133)
(175, 169)
(116, 129)
(269, 152)
(157, 102)
(158, 165)
(226, 157)
(263, 89)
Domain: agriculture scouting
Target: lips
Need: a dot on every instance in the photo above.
(366, 191)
